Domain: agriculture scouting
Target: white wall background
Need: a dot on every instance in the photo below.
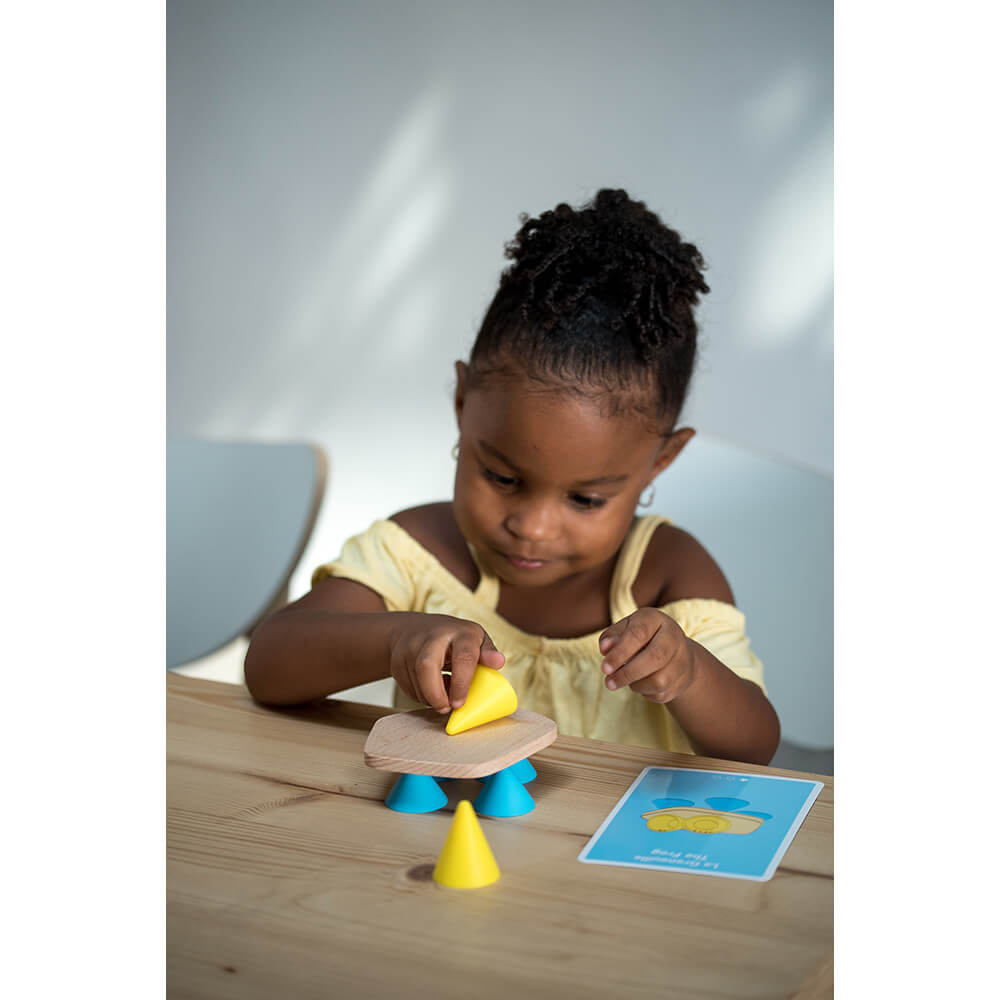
(341, 178)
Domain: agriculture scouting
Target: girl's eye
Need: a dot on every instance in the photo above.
(585, 502)
(500, 480)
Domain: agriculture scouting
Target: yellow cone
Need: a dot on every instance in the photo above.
(466, 861)
(490, 697)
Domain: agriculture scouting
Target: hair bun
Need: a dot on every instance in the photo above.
(603, 288)
(616, 249)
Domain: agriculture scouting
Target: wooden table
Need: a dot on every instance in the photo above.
(287, 876)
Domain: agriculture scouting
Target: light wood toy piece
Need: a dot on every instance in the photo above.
(416, 743)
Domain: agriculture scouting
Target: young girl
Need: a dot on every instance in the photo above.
(620, 628)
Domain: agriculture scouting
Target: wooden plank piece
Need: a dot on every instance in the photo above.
(416, 743)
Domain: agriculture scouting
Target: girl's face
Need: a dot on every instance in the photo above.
(546, 485)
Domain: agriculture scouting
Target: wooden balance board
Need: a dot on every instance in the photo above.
(416, 743)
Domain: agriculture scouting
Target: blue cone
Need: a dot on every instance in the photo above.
(523, 771)
(416, 793)
(503, 795)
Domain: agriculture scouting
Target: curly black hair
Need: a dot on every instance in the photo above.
(599, 298)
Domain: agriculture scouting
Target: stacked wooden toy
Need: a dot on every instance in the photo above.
(488, 738)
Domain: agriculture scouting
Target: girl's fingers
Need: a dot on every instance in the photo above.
(489, 655)
(479, 651)
(402, 670)
(427, 667)
(652, 689)
(644, 663)
(464, 660)
(492, 658)
(629, 636)
(610, 636)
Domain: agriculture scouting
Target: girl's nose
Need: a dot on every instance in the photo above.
(535, 521)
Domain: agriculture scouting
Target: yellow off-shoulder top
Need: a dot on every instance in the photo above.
(559, 678)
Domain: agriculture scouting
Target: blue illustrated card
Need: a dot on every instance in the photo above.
(706, 822)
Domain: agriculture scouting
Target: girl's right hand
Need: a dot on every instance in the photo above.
(422, 646)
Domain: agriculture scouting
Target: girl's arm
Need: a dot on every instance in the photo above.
(722, 714)
(725, 715)
(339, 635)
(333, 638)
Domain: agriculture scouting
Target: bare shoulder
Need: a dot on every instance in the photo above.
(430, 524)
(433, 527)
(677, 566)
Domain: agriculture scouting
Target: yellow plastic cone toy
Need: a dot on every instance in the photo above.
(490, 697)
(466, 861)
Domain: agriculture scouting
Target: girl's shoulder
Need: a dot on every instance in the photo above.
(433, 527)
(676, 567)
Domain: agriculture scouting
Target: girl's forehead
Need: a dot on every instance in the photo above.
(557, 430)
(637, 396)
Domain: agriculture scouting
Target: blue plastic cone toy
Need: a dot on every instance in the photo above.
(503, 795)
(416, 793)
(523, 771)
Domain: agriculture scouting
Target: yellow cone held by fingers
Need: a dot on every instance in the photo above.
(466, 861)
(490, 697)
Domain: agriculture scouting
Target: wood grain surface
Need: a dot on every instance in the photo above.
(287, 876)
(416, 743)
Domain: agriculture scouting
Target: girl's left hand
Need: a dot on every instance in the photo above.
(649, 652)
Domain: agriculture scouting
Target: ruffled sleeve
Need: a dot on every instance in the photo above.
(383, 559)
(721, 629)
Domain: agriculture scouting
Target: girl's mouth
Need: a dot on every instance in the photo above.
(518, 563)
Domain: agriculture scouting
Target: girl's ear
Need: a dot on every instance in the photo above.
(672, 447)
(461, 370)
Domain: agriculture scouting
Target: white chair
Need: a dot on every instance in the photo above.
(239, 515)
(769, 525)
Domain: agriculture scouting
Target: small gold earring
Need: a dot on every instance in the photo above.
(454, 451)
(649, 502)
